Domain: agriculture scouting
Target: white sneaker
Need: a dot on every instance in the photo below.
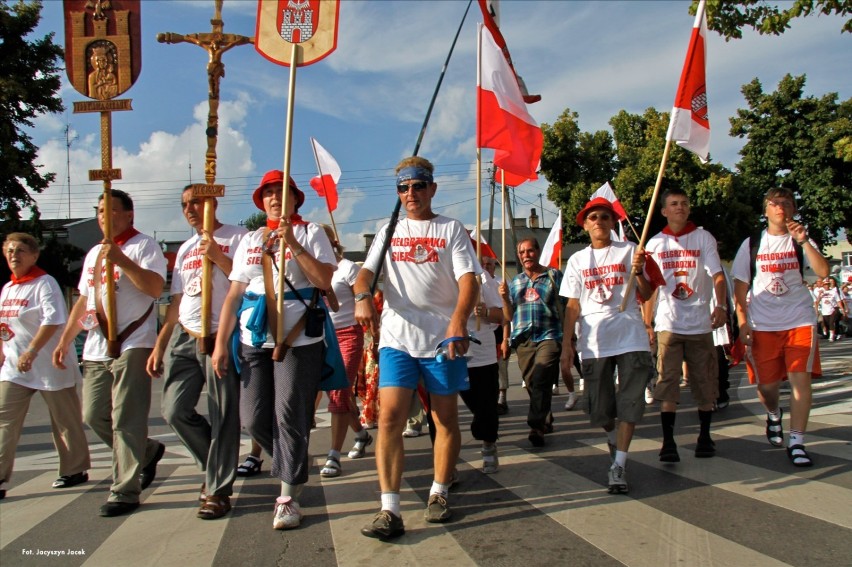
(555, 390)
(572, 401)
(617, 480)
(287, 514)
(649, 392)
(411, 432)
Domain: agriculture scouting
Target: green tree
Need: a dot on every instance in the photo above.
(729, 18)
(255, 221)
(29, 86)
(575, 163)
(799, 142)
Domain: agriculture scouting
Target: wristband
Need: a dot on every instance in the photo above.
(295, 252)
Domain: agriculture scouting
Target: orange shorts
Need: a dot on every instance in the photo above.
(775, 353)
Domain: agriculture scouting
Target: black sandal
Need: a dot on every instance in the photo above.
(250, 467)
(799, 457)
(774, 430)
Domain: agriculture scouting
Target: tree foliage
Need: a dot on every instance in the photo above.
(255, 221)
(29, 86)
(729, 18)
(794, 141)
(802, 143)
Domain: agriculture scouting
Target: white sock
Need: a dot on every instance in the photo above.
(620, 458)
(361, 434)
(390, 502)
(774, 415)
(612, 436)
(795, 438)
(438, 488)
(333, 454)
(501, 399)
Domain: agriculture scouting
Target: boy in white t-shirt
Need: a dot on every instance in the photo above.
(595, 282)
(777, 319)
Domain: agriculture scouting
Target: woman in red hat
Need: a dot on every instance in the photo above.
(277, 398)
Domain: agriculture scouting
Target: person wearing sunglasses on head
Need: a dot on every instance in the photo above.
(430, 290)
(596, 280)
(777, 319)
(689, 259)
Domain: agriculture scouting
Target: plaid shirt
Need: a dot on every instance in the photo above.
(536, 315)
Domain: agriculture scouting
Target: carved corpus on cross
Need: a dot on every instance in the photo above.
(215, 44)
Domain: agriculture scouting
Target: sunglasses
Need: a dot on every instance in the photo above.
(416, 186)
(602, 216)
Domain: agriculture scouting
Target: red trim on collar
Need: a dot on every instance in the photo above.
(122, 238)
(35, 272)
(690, 226)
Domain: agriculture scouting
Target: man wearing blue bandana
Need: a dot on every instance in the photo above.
(430, 290)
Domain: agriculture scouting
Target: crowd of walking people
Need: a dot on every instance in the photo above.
(441, 327)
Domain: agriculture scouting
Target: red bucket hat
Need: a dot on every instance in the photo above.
(596, 203)
(271, 177)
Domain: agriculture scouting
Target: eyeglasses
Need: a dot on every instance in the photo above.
(417, 186)
(599, 216)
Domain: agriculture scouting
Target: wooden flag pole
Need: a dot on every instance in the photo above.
(106, 165)
(478, 171)
(503, 231)
(631, 281)
(278, 352)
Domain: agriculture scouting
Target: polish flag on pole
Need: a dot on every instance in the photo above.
(491, 16)
(325, 184)
(503, 122)
(550, 252)
(689, 126)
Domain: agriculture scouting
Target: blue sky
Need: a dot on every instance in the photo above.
(365, 102)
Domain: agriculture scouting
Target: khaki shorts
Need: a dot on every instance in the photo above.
(603, 401)
(699, 353)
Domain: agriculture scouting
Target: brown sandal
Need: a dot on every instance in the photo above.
(214, 507)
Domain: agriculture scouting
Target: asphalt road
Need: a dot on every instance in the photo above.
(548, 506)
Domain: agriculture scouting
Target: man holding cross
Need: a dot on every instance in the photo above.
(214, 444)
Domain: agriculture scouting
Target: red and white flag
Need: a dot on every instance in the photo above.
(491, 17)
(607, 193)
(325, 184)
(553, 245)
(503, 122)
(689, 126)
(510, 179)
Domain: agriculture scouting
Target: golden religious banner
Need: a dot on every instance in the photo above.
(103, 58)
(103, 46)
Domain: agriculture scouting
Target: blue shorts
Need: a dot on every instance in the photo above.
(398, 369)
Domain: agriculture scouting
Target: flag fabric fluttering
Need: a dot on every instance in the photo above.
(325, 184)
(510, 179)
(689, 126)
(607, 193)
(491, 17)
(553, 245)
(503, 122)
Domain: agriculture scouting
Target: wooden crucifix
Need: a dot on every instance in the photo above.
(215, 44)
